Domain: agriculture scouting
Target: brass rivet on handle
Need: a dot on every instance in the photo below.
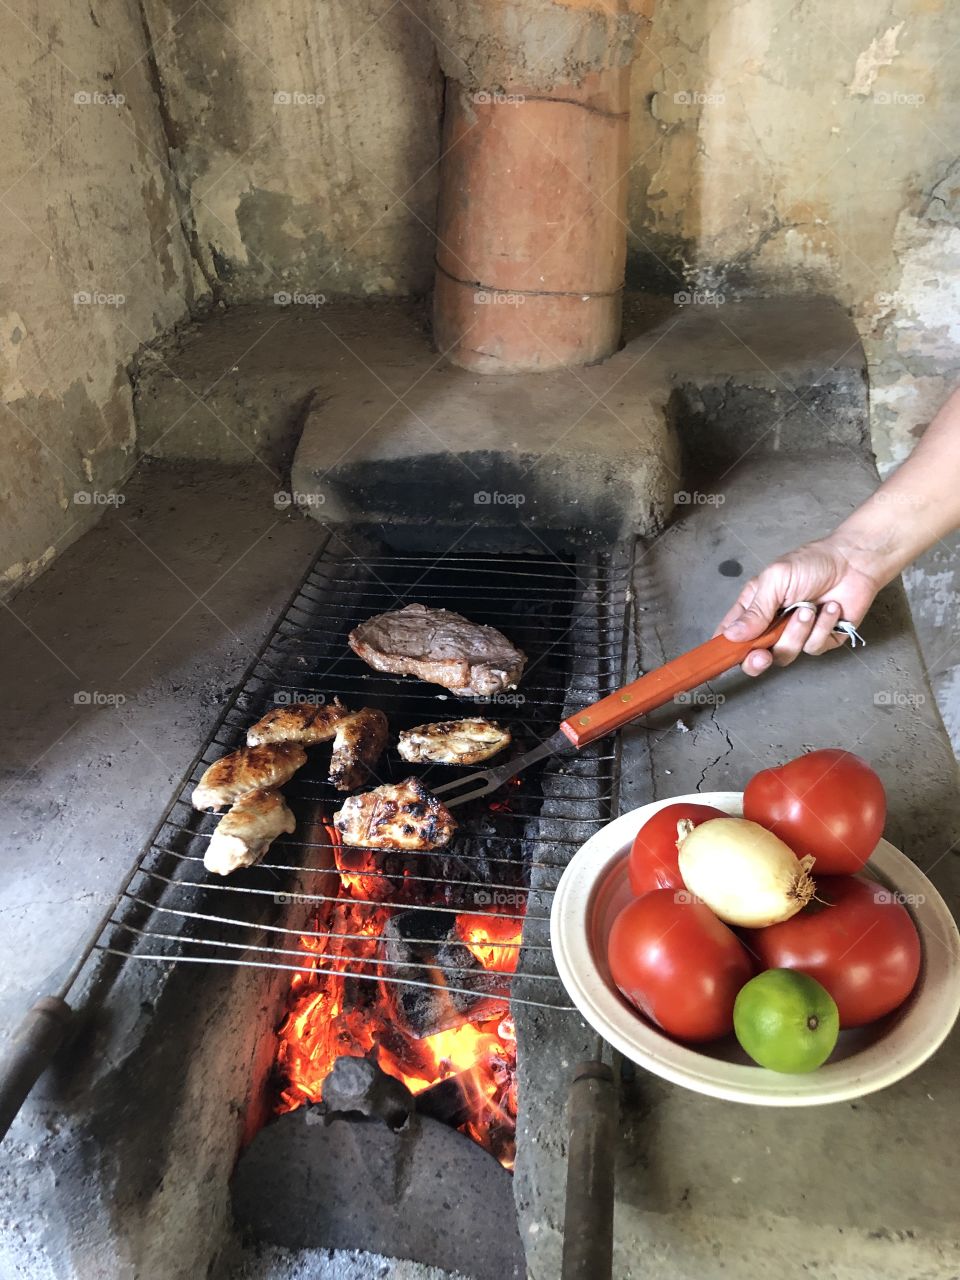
(625, 697)
(584, 719)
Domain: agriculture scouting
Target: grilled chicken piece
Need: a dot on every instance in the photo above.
(304, 723)
(247, 769)
(402, 815)
(453, 742)
(442, 647)
(359, 737)
(245, 834)
(359, 742)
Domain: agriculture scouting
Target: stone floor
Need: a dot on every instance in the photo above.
(116, 662)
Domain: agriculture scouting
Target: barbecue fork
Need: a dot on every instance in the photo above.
(652, 690)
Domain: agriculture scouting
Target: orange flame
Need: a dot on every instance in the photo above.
(319, 1028)
(494, 940)
(358, 869)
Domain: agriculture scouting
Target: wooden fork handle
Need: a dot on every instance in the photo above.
(657, 687)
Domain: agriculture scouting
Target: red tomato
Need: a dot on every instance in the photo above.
(859, 942)
(678, 964)
(653, 858)
(829, 804)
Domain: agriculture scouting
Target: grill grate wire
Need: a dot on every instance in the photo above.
(569, 616)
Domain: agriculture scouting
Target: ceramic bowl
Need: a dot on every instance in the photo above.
(595, 886)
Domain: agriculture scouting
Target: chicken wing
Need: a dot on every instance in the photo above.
(304, 722)
(402, 815)
(359, 737)
(247, 769)
(245, 833)
(357, 746)
(453, 742)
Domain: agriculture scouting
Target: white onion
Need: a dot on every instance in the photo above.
(745, 874)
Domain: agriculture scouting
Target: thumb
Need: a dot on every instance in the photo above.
(754, 619)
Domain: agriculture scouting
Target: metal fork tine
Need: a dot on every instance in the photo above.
(468, 780)
(486, 780)
(486, 785)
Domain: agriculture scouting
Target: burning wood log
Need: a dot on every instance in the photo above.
(425, 947)
(447, 1101)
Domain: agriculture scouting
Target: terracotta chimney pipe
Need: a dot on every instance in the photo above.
(531, 224)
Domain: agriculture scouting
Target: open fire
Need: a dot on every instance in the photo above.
(332, 1013)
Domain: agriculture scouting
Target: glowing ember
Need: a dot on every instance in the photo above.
(358, 868)
(326, 1021)
(494, 940)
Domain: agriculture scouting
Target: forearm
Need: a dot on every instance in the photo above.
(918, 505)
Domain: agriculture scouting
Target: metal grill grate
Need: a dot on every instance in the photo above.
(568, 616)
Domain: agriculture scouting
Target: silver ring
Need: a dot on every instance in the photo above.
(843, 628)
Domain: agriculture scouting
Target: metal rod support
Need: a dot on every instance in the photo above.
(28, 1053)
(588, 1220)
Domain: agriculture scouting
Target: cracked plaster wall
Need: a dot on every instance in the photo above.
(307, 136)
(814, 147)
(87, 211)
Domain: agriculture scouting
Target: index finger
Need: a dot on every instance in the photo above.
(743, 601)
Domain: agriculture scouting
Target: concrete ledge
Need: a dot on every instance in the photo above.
(601, 450)
(594, 450)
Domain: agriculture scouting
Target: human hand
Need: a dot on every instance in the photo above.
(842, 579)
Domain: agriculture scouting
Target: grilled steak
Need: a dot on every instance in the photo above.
(441, 647)
(453, 742)
(247, 769)
(402, 815)
(245, 834)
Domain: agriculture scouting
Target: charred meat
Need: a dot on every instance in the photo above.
(247, 769)
(453, 742)
(442, 647)
(402, 815)
(357, 746)
(304, 722)
(246, 832)
(359, 737)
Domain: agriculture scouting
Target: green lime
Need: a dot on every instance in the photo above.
(786, 1021)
